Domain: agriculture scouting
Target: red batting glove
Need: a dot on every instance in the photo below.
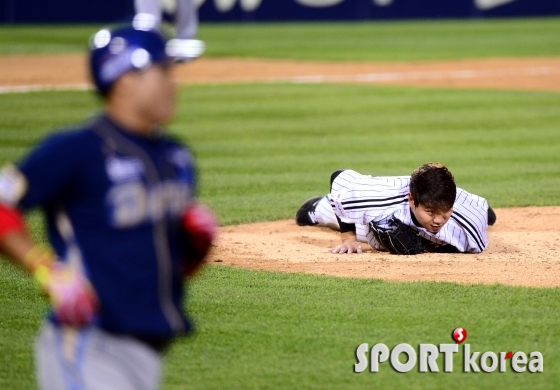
(73, 299)
(10, 221)
(200, 228)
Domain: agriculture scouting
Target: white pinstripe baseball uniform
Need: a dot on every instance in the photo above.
(359, 199)
(186, 15)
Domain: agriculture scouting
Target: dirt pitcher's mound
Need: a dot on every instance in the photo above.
(522, 251)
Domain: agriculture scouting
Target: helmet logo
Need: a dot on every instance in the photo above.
(140, 58)
(101, 39)
(117, 45)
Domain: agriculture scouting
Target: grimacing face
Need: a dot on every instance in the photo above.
(429, 219)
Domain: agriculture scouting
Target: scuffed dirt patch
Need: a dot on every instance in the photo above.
(523, 251)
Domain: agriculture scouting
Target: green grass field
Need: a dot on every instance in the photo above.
(379, 41)
(264, 148)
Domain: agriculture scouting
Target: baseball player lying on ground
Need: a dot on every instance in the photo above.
(404, 215)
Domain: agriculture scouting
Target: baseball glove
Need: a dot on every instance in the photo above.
(399, 239)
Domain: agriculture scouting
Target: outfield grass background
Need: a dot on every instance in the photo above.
(263, 149)
(379, 41)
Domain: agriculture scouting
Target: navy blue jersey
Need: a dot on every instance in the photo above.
(113, 202)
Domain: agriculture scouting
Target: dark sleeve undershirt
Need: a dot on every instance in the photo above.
(446, 249)
(345, 227)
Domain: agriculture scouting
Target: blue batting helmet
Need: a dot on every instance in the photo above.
(114, 52)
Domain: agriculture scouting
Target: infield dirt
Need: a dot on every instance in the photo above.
(514, 73)
(522, 251)
(523, 243)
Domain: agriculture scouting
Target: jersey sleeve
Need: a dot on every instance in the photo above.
(359, 199)
(341, 193)
(470, 213)
(50, 170)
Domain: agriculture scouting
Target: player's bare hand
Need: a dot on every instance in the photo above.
(349, 244)
(347, 247)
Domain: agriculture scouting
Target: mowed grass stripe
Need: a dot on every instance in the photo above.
(262, 150)
(359, 41)
(266, 330)
(288, 139)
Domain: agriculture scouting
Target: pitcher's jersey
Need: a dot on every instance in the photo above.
(359, 199)
(113, 202)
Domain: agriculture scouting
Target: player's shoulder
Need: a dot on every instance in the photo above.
(391, 183)
(467, 199)
(70, 140)
(174, 142)
(177, 151)
(170, 140)
(376, 186)
(395, 181)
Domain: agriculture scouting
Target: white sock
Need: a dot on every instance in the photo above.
(324, 214)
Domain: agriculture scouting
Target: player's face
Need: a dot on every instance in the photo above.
(155, 93)
(429, 219)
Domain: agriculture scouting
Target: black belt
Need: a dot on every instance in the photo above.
(157, 343)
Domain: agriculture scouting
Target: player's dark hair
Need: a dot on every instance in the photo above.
(433, 186)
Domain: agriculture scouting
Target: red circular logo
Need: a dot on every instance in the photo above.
(459, 335)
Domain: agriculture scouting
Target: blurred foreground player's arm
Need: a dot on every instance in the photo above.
(199, 226)
(71, 295)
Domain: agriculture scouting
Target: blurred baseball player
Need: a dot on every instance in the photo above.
(426, 208)
(123, 223)
(149, 12)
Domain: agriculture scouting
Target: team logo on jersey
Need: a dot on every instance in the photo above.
(133, 203)
(13, 185)
(336, 202)
(121, 169)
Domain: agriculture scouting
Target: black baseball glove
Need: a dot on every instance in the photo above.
(399, 239)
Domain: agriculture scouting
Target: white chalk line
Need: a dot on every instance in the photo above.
(43, 87)
(424, 75)
(348, 78)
